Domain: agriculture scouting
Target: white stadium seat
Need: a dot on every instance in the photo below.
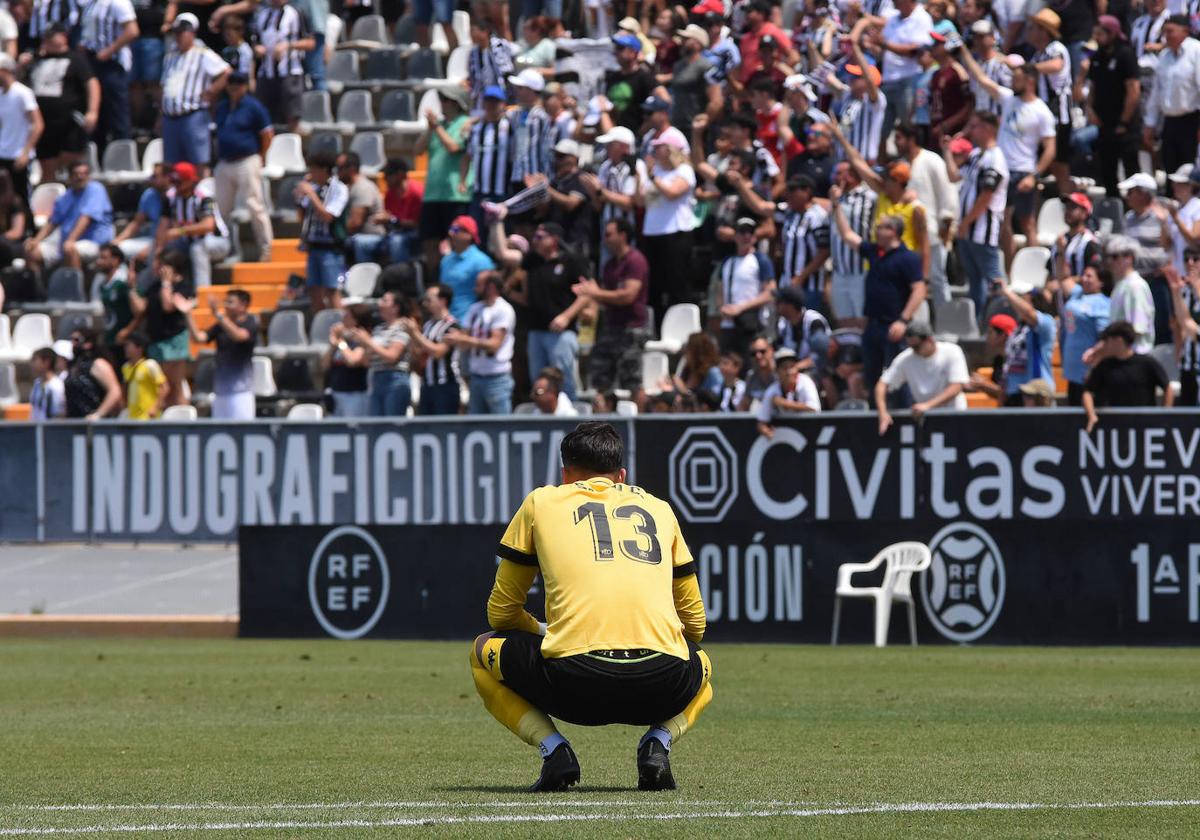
(902, 560)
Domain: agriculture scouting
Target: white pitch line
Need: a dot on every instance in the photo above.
(342, 806)
(880, 808)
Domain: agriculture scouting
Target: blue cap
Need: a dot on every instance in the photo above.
(656, 103)
(630, 42)
(495, 92)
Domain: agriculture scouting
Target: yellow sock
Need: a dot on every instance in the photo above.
(529, 724)
(686, 719)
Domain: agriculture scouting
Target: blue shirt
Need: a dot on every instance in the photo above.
(238, 131)
(1083, 318)
(151, 206)
(92, 201)
(889, 280)
(458, 271)
(1028, 354)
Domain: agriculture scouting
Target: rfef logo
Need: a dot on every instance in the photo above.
(963, 590)
(348, 582)
(703, 478)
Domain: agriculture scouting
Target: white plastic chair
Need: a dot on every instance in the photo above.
(368, 145)
(285, 156)
(32, 332)
(322, 325)
(360, 281)
(526, 408)
(679, 322)
(902, 559)
(41, 203)
(460, 22)
(1029, 266)
(1164, 354)
(1050, 222)
(655, 365)
(9, 395)
(264, 378)
(627, 408)
(180, 413)
(306, 411)
(121, 164)
(152, 155)
(285, 335)
(957, 319)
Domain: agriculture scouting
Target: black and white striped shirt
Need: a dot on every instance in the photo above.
(985, 170)
(858, 206)
(1147, 30)
(200, 205)
(186, 76)
(1081, 251)
(488, 67)
(46, 13)
(998, 71)
(621, 178)
(491, 156)
(802, 236)
(102, 24)
(800, 340)
(441, 371)
(533, 143)
(1189, 357)
(732, 395)
(317, 233)
(862, 123)
(279, 24)
(562, 127)
(1055, 88)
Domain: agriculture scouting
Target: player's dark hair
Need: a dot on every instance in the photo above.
(593, 447)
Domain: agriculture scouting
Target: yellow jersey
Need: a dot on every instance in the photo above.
(616, 571)
(885, 207)
(143, 378)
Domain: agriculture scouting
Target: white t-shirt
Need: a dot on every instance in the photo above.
(664, 216)
(564, 407)
(804, 392)
(8, 27)
(1188, 214)
(16, 104)
(927, 377)
(911, 31)
(741, 280)
(48, 399)
(480, 321)
(1023, 125)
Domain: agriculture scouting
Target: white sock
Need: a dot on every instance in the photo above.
(657, 732)
(550, 744)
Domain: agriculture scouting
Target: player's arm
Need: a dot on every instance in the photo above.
(518, 567)
(685, 587)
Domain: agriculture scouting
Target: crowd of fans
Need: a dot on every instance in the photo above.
(824, 180)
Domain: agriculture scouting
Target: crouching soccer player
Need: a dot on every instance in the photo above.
(623, 617)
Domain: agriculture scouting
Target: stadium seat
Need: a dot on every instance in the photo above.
(957, 319)
(423, 68)
(5, 335)
(322, 324)
(9, 395)
(655, 365)
(360, 281)
(525, 409)
(354, 111)
(416, 124)
(316, 112)
(583, 407)
(1029, 266)
(1164, 354)
(1109, 210)
(457, 64)
(368, 31)
(627, 408)
(383, 68)
(342, 70)
(306, 411)
(325, 141)
(64, 293)
(70, 322)
(368, 145)
(121, 164)
(460, 22)
(406, 31)
(285, 156)
(902, 559)
(179, 413)
(1050, 222)
(151, 156)
(285, 199)
(31, 332)
(396, 107)
(679, 322)
(41, 203)
(264, 378)
(285, 335)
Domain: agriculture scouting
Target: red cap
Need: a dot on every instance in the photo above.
(961, 146)
(1005, 323)
(468, 224)
(1082, 200)
(186, 172)
(709, 7)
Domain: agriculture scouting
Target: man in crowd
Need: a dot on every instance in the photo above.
(82, 221)
(235, 333)
(403, 203)
(21, 126)
(244, 134)
(64, 85)
(110, 286)
(547, 394)
(626, 87)
(692, 92)
(762, 371)
(816, 162)
(1077, 247)
(137, 237)
(616, 357)
(487, 341)
(804, 238)
(107, 28)
(1114, 101)
(461, 265)
(802, 330)
(569, 205)
(364, 231)
(193, 78)
(1132, 300)
(617, 184)
(1123, 377)
(935, 373)
(856, 203)
(995, 64)
(906, 29)
(1173, 109)
(283, 38)
(193, 224)
(747, 285)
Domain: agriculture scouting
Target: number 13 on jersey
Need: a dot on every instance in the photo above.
(643, 548)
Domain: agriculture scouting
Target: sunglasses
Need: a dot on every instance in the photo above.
(456, 229)
(762, 352)
(539, 392)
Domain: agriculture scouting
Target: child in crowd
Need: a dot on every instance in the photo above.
(733, 389)
(145, 382)
(48, 400)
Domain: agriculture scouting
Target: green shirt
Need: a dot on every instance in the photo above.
(114, 294)
(442, 177)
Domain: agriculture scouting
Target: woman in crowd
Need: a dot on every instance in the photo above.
(346, 376)
(669, 220)
(698, 369)
(14, 221)
(1084, 308)
(539, 48)
(92, 387)
(389, 393)
(161, 312)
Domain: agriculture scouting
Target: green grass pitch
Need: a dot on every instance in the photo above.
(222, 739)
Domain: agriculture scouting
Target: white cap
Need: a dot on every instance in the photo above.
(186, 17)
(799, 82)
(1139, 180)
(7, 63)
(617, 134)
(1182, 175)
(567, 147)
(529, 78)
(64, 349)
(1020, 287)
